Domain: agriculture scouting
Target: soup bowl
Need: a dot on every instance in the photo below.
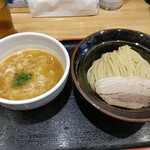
(91, 48)
(28, 40)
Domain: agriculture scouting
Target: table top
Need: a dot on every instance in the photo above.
(132, 15)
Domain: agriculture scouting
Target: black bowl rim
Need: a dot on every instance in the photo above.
(138, 120)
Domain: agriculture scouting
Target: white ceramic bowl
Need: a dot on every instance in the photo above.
(27, 40)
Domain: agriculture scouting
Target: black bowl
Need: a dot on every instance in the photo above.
(90, 49)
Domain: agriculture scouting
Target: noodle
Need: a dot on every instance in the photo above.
(123, 62)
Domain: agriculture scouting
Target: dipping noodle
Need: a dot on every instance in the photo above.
(123, 62)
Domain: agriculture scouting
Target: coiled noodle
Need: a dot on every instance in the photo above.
(122, 62)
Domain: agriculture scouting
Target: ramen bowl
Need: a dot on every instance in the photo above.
(31, 40)
(91, 48)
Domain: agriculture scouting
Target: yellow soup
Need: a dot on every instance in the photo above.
(44, 68)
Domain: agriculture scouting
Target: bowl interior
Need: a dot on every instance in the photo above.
(91, 49)
(28, 40)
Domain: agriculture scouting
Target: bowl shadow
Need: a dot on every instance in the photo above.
(109, 125)
(45, 112)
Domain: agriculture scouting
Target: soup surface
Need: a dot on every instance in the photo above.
(29, 73)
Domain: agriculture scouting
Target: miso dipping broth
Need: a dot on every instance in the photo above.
(29, 73)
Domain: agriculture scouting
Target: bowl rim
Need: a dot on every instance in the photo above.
(123, 118)
(56, 87)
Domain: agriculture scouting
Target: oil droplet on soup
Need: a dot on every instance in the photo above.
(46, 70)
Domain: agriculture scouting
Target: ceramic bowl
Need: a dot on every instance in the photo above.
(90, 49)
(28, 40)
